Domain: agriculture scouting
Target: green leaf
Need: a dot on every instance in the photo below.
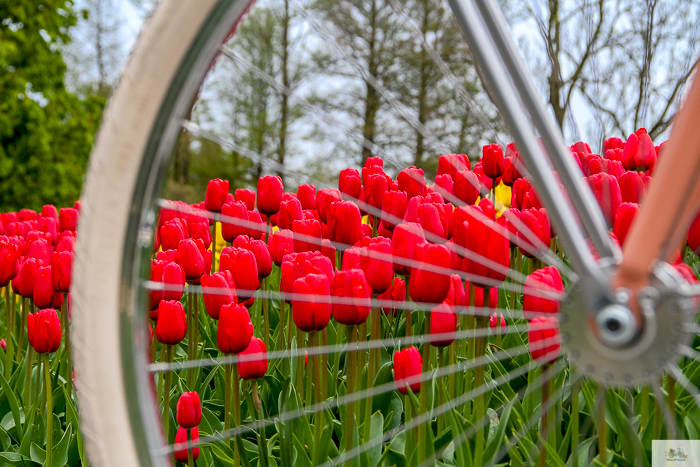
(13, 458)
(14, 405)
(24, 447)
(376, 430)
(462, 453)
(495, 445)
(37, 454)
(60, 450)
(302, 458)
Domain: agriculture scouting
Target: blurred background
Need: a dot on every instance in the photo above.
(284, 91)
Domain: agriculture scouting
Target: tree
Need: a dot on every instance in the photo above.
(46, 133)
(96, 52)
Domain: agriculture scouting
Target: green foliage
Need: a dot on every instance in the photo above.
(46, 133)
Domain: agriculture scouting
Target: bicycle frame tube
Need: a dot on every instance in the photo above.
(498, 59)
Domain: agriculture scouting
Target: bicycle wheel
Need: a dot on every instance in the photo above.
(492, 396)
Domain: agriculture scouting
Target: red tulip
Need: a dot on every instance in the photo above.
(235, 330)
(425, 284)
(191, 257)
(290, 210)
(479, 296)
(44, 331)
(520, 188)
(435, 218)
(43, 295)
(494, 324)
(404, 241)
(215, 197)
(246, 196)
(511, 172)
(466, 186)
(61, 264)
(443, 324)
(171, 326)
(485, 238)
(408, 364)
(396, 293)
(172, 233)
(545, 342)
(456, 293)
(376, 262)
(350, 183)
(66, 243)
(632, 187)
(312, 312)
(28, 215)
(251, 370)
(377, 185)
(307, 196)
(623, 220)
(353, 288)
(9, 261)
(444, 185)
(393, 208)
(543, 281)
(324, 198)
(8, 218)
(238, 224)
(281, 243)
(345, 223)
(68, 219)
(452, 163)
(328, 250)
(613, 143)
(181, 455)
(607, 191)
(39, 248)
(412, 181)
(23, 283)
(534, 223)
(49, 225)
(244, 269)
(639, 152)
(218, 290)
(372, 165)
(307, 235)
(270, 191)
(189, 410)
(694, 235)
(493, 160)
(167, 255)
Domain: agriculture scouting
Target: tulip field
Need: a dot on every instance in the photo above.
(386, 322)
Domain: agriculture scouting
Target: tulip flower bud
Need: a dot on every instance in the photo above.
(450, 164)
(66, 243)
(171, 326)
(537, 285)
(494, 325)
(624, 217)
(534, 223)
(311, 306)
(639, 152)
(404, 241)
(218, 290)
(270, 192)
(545, 341)
(39, 248)
(251, 370)
(8, 218)
(345, 223)
(694, 235)
(487, 239)
(307, 196)
(199, 229)
(408, 363)
(181, 438)
(519, 190)
(3, 344)
(377, 263)
(632, 187)
(215, 197)
(349, 184)
(43, 294)
(189, 410)
(23, 283)
(444, 184)
(613, 143)
(479, 297)
(191, 257)
(244, 269)
(394, 205)
(328, 250)
(443, 324)
(290, 210)
(396, 293)
(377, 185)
(426, 285)
(373, 165)
(238, 225)
(68, 219)
(259, 250)
(44, 331)
(412, 181)
(246, 196)
(234, 330)
(9, 261)
(466, 186)
(607, 191)
(61, 265)
(493, 161)
(172, 233)
(28, 215)
(353, 288)
(324, 198)
(281, 243)
(307, 235)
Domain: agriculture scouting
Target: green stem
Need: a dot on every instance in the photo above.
(324, 365)
(645, 406)
(471, 350)
(67, 345)
(441, 382)
(375, 329)
(350, 381)
(544, 427)
(424, 386)
(280, 331)
(479, 409)
(8, 334)
(190, 457)
(671, 398)
(23, 323)
(166, 393)
(360, 362)
(266, 317)
(451, 378)
(409, 325)
(213, 250)
(602, 437)
(161, 380)
(49, 412)
(264, 462)
(28, 380)
(299, 383)
(237, 413)
(227, 402)
(190, 338)
(408, 415)
(319, 418)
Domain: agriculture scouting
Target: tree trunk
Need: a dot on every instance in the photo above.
(284, 97)
(371, 98)
(553, 49)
